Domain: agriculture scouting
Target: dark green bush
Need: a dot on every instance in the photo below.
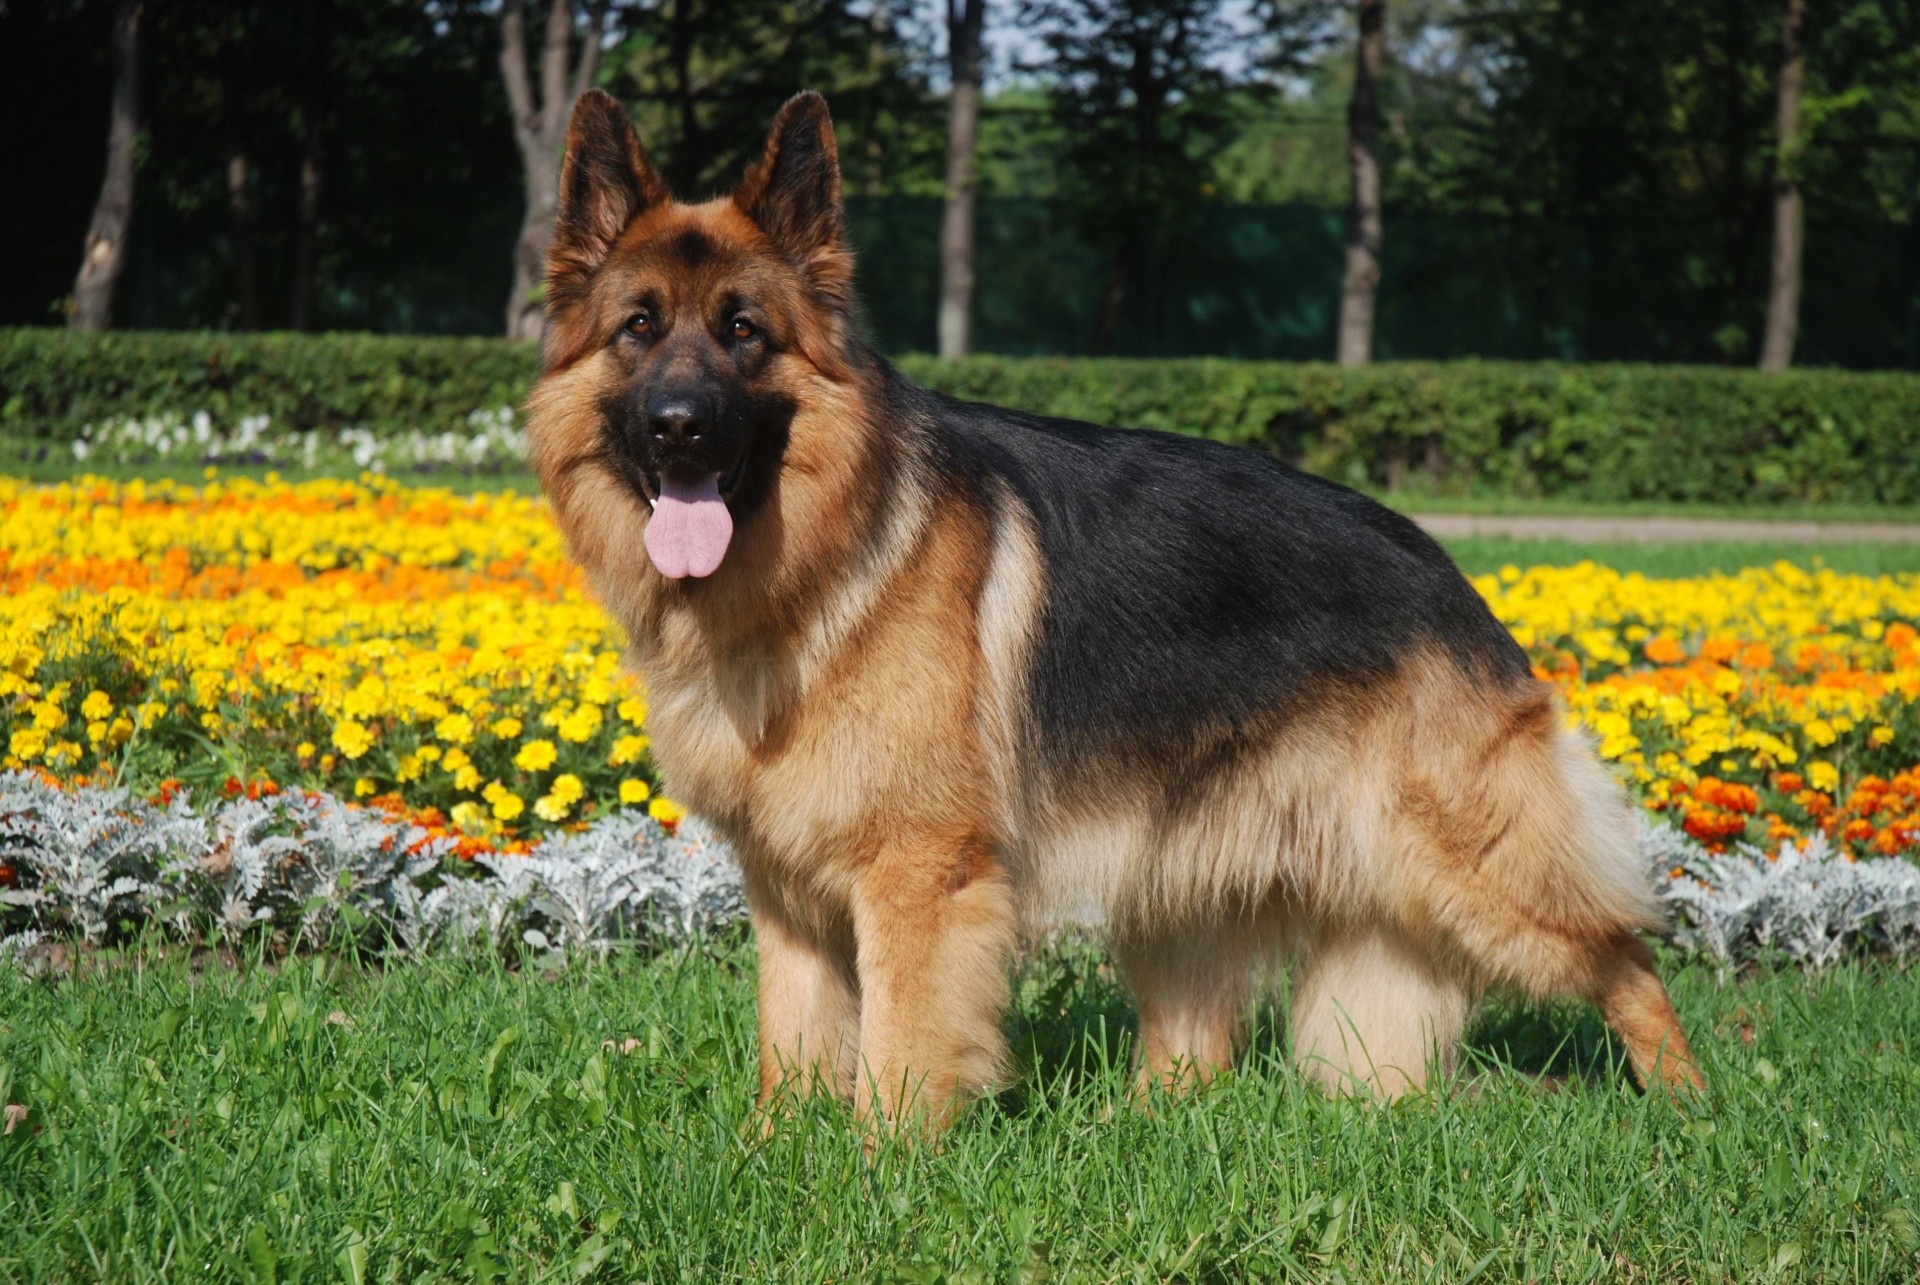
(1586, 432)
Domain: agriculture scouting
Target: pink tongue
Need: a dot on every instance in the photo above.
(690, 527)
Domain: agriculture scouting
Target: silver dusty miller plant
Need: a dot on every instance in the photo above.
(1804, 902)
(313, 867)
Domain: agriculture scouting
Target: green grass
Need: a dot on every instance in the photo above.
(1413, 501)
(1482, 554)
(452, 1120)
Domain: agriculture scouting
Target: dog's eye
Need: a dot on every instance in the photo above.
(639, 325)
(741, 328)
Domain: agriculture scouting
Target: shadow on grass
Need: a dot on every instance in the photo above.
(1073, 1025)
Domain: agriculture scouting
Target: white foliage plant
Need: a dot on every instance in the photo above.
(493, 440)
(88, 861)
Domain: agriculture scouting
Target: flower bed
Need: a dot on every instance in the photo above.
(86, 864)
(437, 656)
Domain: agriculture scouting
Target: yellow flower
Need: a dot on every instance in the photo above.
(456, 728)
(548, 808)
(96, 706)
(580, 725)
(466, 778)
(535, 756)
(1880, 735)
(27, 743)
(567, 788)
(304, 750)
(666, 811)
(362, 787)
(469, 817)
(508, 805)
(1822, 775)
(455, 759)
(507, 728)
(633, 710)
(1821, 732)
(352, 739)
(632, 791)
(627, 749)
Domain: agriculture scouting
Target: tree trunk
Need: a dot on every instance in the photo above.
(306, 245)
(105, 252)
(1362, 280)
(1783, 291)
(964, 21)
(240, 207)
(540, 132)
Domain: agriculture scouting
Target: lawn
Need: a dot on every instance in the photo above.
(451, 1119)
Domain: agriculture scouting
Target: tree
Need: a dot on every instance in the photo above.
(1143, 96)
(703, 79)
(964, 21)
(1362, 279)
(540, 132)
(1783, 291)
(105, 250)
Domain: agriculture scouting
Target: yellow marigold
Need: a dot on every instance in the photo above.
(27, 743)
(580, 726)
(466, 778)
(363, 786)
(666, 811)
(627, 749)
(455, 759)
(96, 706)
(1821, 732)
(1822, 775)
(633, 791)
(305, 750)
(508, 805)
(548, 808)
(469, 817)
(352, 739)
(1880, 735)
(456, 729)
(507, 728)
(633, 710)
(567, 788)
(535, 756)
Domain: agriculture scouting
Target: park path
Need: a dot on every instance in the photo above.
(1603, 530)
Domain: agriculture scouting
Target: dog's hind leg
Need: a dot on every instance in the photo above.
(1374, 1013)
(1192, 988)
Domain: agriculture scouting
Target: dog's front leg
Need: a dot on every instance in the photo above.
(809, 1009)
(934, 927)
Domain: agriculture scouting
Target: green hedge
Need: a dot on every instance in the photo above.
(1585, 432)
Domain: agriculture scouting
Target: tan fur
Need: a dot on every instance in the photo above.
(847, 701)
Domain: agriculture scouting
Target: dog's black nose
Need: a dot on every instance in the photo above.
(678, 418)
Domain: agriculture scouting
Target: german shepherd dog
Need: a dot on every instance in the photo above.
(942, 673)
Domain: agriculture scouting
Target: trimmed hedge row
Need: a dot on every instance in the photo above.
(1586, 432)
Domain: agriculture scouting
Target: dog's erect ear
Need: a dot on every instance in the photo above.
(605, 183)
(793, 193)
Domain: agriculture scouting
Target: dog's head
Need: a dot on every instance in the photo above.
(704, 324)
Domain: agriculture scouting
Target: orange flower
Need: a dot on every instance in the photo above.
(1719, 650)
(1664, 651)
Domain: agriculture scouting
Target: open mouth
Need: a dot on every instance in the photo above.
(691, 525)
(729, 481)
